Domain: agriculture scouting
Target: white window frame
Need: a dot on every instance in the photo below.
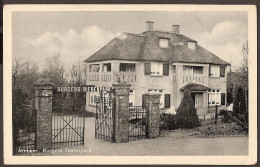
(192, 45)
(161, 91)
(156, 69)
(132, 95)
(164, 42)
(215, 71)
(92, 97)
(214, 96)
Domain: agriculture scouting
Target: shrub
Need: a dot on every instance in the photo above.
(186, 113)
(239, 101)
(226, 115)
(168, 121)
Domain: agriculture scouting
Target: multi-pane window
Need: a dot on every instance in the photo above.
(127, 67)
(156, 68)
(193, 69)
(93, 97)
(214, 71)
(214, 97)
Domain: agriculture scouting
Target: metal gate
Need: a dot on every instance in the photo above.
(104, 122)
(138, 123)
(68, 120)
(24, 130)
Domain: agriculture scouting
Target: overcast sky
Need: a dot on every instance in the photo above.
(77, 35)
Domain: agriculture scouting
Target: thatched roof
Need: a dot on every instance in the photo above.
(145, 47)
(194, 87)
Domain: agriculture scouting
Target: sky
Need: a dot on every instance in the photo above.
(77, 35)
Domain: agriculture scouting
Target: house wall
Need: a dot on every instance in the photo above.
(167, 83)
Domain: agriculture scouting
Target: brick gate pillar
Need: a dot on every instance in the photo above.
(152, 100)
(43, 106)
(121, 112)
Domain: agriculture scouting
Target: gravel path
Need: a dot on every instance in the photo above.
(170, 144)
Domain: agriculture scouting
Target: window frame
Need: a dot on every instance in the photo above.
(161, 40)
(216, 95)
(158, 69)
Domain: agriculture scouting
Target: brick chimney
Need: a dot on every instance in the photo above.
(176, 29)
(149, 26)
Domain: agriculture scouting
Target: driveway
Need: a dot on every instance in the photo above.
(161, 146)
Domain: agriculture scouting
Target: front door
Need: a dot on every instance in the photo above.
(195, 98)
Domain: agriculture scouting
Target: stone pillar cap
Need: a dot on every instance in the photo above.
(44, 82)
(121, 85)
(152, 93)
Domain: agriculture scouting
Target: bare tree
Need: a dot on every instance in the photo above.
(55, 70)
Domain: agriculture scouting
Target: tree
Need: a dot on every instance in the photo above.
(186, 113)
(54, 69)
(239, 102)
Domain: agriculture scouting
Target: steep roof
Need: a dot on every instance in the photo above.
(145, 47)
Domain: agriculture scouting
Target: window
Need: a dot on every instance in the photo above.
(214, 97)
(214, 71)
(162, 95)
(93, 97)
(156, 69)
(193, 69)
(222, 71)
(107, 67)
(192, 45)
(197, 70)
(127, 67)
(131, 98)
(164, 42)
(188, 69)
(174, 68)
(94, 68)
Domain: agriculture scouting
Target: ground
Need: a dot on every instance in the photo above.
(169, 143)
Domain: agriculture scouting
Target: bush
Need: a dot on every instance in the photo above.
(186, 116)
(168, 121)
(239, 101)
(226, 115)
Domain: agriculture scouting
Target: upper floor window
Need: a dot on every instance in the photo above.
(127, 67)
(217, 71)
(164, 42)
(193, 69)
(106, 67)
(156, 68)
(192, 45)
(94, 68)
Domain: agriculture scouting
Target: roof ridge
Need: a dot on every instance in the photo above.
(134, 34)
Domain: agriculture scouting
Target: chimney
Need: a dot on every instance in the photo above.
(149, 26)
(176, 29)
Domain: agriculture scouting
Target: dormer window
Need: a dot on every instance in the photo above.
(164, 42)
(192, 45)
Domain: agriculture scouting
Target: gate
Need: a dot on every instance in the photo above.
(24, 130)
(104, 122)
(138, 123)
(68, 120)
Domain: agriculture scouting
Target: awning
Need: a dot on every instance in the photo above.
(194, 87)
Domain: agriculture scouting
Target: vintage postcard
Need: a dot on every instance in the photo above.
(130, 84)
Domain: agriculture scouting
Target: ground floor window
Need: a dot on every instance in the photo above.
(161, 91)
(214, 97)
(131, 98)
(93, 97)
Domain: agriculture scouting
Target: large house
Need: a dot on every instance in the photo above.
(157, 61)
